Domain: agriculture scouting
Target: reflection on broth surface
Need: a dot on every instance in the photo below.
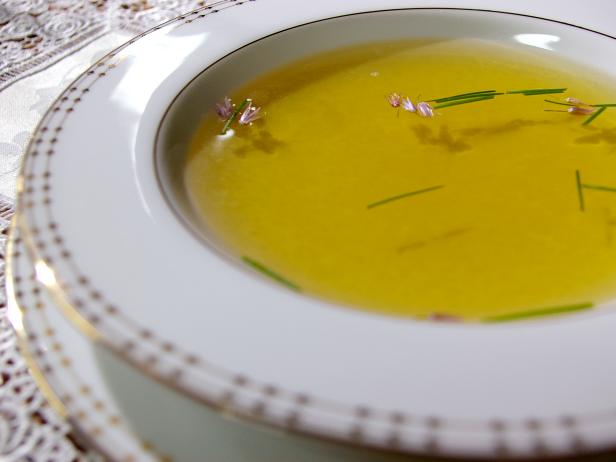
(490, 210)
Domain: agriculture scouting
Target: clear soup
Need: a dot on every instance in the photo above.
(490, 210)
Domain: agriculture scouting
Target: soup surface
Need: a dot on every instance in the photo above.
(490, 210)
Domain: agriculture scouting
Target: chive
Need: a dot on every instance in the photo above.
(232, 117)
(463, 96)
(604, 105)
(558, 102)
(464, 101)
(539, 312)
(538, 91)
(598, 188)
(402, 196)
(466, 97)
(594, 115)
(578, 181)
(271, 274)
(542, 92)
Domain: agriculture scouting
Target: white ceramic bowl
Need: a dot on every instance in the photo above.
(112, 239)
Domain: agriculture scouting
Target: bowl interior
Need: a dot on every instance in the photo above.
(250, 60)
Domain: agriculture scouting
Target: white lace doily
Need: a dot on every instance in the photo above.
(40, 38)
(37, 33)
(29, 429)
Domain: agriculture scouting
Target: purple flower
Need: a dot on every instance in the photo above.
(394, 99)
(579, 110)
(408, 105)
(425, 110)
(250, 114)
(224, 109)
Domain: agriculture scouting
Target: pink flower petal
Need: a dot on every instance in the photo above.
(425, 110)
(224, 109)
(250, 114)
(394, 99)
(408, 105)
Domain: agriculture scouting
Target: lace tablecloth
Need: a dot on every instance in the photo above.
(44, 44)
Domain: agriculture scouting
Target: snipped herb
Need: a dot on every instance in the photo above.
(234, 115)
(594, 115)
(464, 95)
(537, 91)
(574, 105)
(465, 101)
(559, 103)
(582, 186)
(228, 112)
(578, 180)
(425, 109)
(402, 196)
(270, 274)
(598, 187)
(541, 312)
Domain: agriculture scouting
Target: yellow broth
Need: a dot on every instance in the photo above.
(505, 232)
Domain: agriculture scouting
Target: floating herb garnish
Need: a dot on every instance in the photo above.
(408, 105)
(425, 109)
(228, 112)
(537, 91)
(402, 196)
(224, 109)
(464, 96)
(250, 114)
(394, 99)
(578, 107)
(594, 115)
(270, 274)
(539, 312)
(581, 186)
(560, 103)
(598, 187)
(580, 191)
(465, 101)
(574, 105)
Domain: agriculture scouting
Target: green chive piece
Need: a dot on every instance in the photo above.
(558, 102)
(402, 196)
(464, 101)
(270, 274)
(594, 115)
(539, 312)
(598, 187)
(538, 91)
(604, 105)
(463, 96)
(578, 181)
(235, 113)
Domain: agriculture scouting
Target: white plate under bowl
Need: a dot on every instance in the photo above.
(123, 414)
(119, 261)
(63, 365)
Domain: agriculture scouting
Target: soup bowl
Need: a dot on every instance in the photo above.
(113, 238)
